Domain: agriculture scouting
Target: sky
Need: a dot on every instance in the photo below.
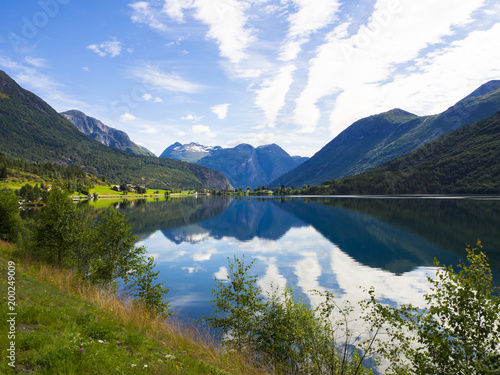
(224, 72)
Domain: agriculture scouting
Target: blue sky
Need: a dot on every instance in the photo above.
(223, 72)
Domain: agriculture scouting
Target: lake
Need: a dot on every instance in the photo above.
(311, 243)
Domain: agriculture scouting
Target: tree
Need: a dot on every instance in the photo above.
(286, 332)
(3, 172)
(115, 254)
(237, 303)
(57, 230)
(145, 291)
(10, 222)
(457, 333)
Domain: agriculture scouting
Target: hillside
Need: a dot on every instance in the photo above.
(465, 161)
(33, 131)
(377, 139)
(106, 135)
(243, 165)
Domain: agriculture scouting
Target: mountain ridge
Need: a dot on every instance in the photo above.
(377, 139)
(243, 165)
(105, 134)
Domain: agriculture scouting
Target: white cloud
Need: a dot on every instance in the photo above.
(148, 130)
(127, 117)
(85, 68)
(271, 97)
(191, 117)
(393, 35)
(148, 97)
(226, 20)
(153, 76)
(110, 47)
(175, 8)
(439, 82)
(220, 110)
(203, 130)
(310, 17)
(143, 13)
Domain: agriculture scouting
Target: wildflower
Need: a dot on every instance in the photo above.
(169, 356)
(145, 365)
(133, 365)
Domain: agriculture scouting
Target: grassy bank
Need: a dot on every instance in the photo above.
(65, 327)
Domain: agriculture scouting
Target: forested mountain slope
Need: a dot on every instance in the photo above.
(33, 131)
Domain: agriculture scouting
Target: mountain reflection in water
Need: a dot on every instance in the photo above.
(318, 243)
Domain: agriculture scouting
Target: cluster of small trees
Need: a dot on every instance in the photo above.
(76, 177)
(458, 332)
(102, 252)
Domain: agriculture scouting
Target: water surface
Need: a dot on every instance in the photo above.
(312, 243)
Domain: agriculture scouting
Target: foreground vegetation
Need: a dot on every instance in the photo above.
(64, 326)
(458, 332)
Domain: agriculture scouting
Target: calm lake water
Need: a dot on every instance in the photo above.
(321, 243)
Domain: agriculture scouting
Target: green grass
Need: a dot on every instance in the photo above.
(63, 327)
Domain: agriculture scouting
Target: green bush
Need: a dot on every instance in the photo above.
(10, 222)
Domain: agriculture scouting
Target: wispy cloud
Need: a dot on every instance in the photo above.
(36, 61)
(393, 35)
(220, 110)
(110, 47)
(227, 25)
(42, 84)
(310, 17)
(226, 21)
(271, 96)
(154, 77)
(142, 12)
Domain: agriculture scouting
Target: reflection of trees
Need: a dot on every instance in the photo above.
(173, 213)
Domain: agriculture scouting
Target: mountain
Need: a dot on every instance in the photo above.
(243, 165)
(106, 135)
(375, 140)
(190, 152)
(464, 161)
(33, 131)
